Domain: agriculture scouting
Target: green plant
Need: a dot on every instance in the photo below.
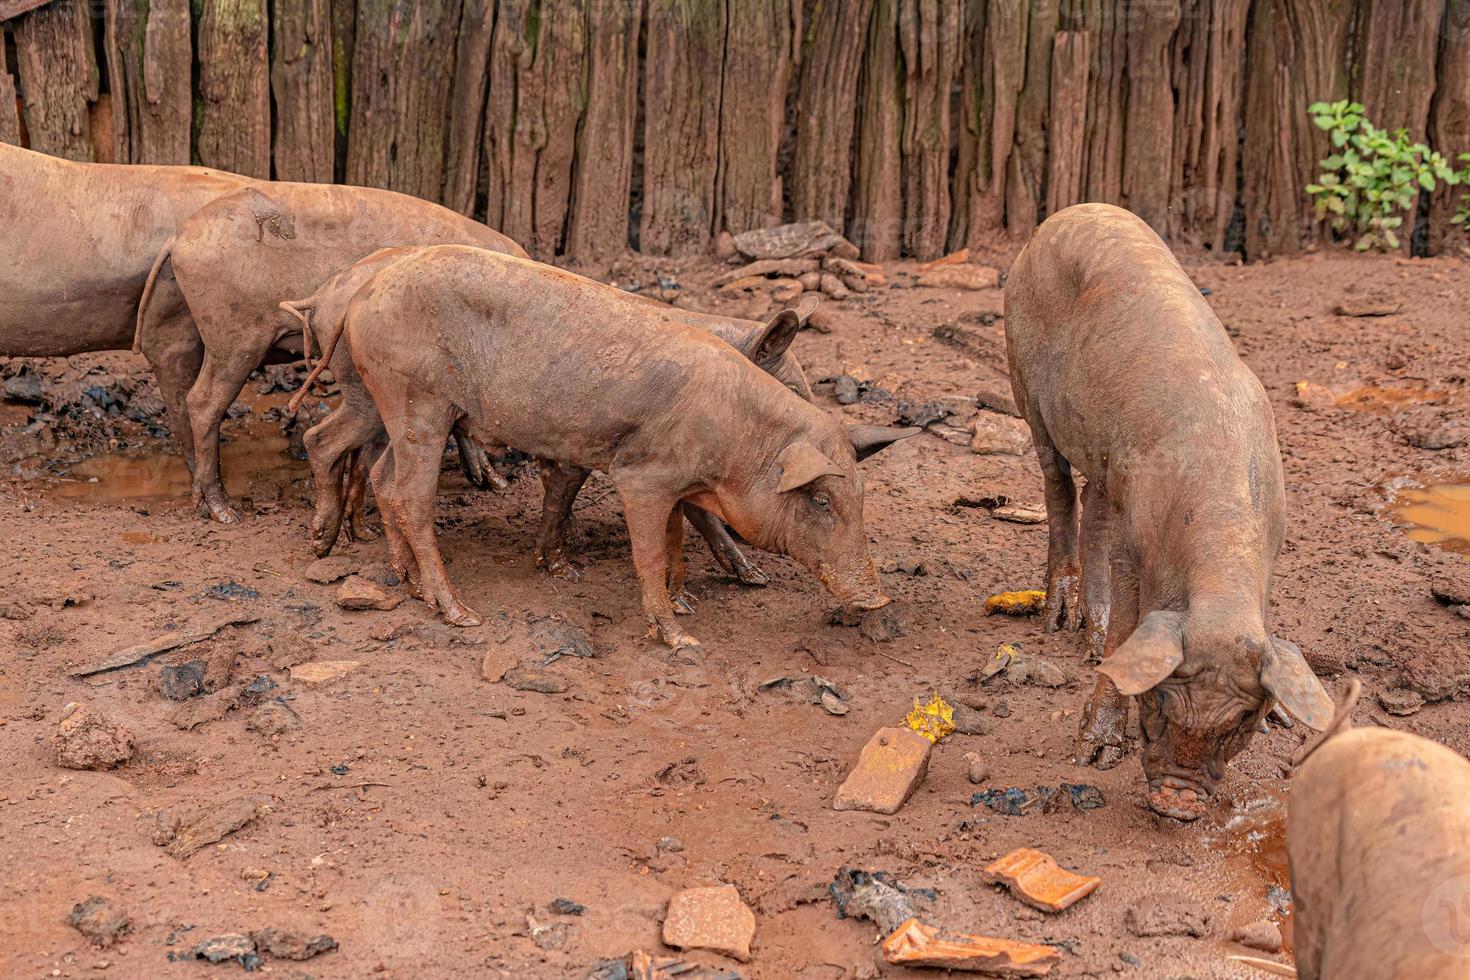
(1373, 176)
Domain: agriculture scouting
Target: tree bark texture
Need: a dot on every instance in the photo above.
(302, 83)
(598, 226)
(467, 111)
(232, 108)
(752, 108)
(876, 225)
(1148, 124)
(58, 76)
(826, 109)
(1449, 120)
(150, 55)
(1066, 152)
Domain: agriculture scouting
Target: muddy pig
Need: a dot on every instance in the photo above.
(334, 443)
(583, 375)
(1378, 841)
(1123, 372)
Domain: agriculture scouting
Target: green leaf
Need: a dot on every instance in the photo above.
(1333, 162)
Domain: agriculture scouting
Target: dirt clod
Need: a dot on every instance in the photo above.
(536, 680)
(710, 918)
(325, 571)
(1167, 915)
(1401, 701)
(291, 944)
(213, 825)
(358, 593)
(179, 682)
(497, 661)
(230, 946)
(1262, 935)
(274, 717)
(322, 671)
(99, 919)
(85, 739)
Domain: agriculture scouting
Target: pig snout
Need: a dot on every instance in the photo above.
(858, 588)
(1177, 797)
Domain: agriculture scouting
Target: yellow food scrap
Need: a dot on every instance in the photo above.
(1016, 603)
(933, 720)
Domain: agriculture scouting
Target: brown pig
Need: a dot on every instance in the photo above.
(1378, 840)
(338, 438)
(583, 375)
(1124, 373)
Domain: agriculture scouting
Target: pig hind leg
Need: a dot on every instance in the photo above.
(1096, 570)
(1063, 574)
(560, 486)
(221, 377)
(400, 555)
(1100, 738)
(354, 488)
(648, 512)
(175, 352)
(352, 425)
(682, 601)
(726, 552)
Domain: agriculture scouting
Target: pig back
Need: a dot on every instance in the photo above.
(1378, 841)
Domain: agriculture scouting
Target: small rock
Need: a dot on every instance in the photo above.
(180, 682)
(200, 711)
(99, 919)
(977, 770)
(536, 680)
(961, 275)
(710, 918)
(889, 769)
(671, 844)
(274, 717)
(723, 246)
(922, 413)
(547, 935)
(845, 390)
(820, 320)
(1035, 878)
(833, 287)
(231, 946)
(1167, 915)
(327, 570)
(1002, 709)
(565, 906)
(1367, 306)
(969, 721)
(1019, 514)
(380, 572)
(358, 593)
(786, 290)
(26, 389)
(993, 434)
(1263, 935)
(844, 249)
(497, 661)
(1036, 671)
(787, 241)
(258, 690)
(1401, 701)
(288, 944)
(87, 740)
(323, 671)
(555, 638)
(810, 281)
(997, 399)
(209, 827)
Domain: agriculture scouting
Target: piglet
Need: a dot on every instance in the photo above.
(1124, 373)
(1378, 840)
(580, 374)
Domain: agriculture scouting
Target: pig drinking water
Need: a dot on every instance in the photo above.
(583, 375)
(1124, 373)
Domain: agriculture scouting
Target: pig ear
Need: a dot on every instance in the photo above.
(869, 439)
(1150, 653)
(1288, 679)
(801, 463)
(767, 345)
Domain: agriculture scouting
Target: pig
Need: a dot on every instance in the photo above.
(1378, 844)
(340, 437)
(583, 375)
(233, 260)
(1124, 373)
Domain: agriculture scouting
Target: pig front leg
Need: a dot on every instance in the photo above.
(726, 552)
(1096, 569)
(648, 513)
(682, 601)
(354, 518)
(1063, 607)
(330, 444)
(1100, 738)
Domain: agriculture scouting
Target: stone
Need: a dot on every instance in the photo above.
(785, 290)
(710, 918)
(274, 717)
(969, 721)
(99, 919)
(810, 281)
(85, 739)
(993, 434)
(1167, 915)
(785, 268)
(1036, 671)
(977, 770)
(358, 593)
(723, 245)
(536, 680)
(27, 389)
(832, 286)
(1019, 514)
(885, 623)
(497, 661)
(230, 946)
(380, 572)
(323, 671)
(844, 249)
(1401, 701)
(889, 769)
(1035, 878)
(325, 571)
(1263, 935)
(209, 827)
(961, 275)
(180, 682)
(997, 399)
(289, 944)
(200, 711)
(787, 241)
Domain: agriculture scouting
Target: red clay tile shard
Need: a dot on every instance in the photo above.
(917, 944)
(1036, 879)
(890, 768)
(710, 918)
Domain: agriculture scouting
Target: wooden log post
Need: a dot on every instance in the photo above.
(467, 111)
(972, 127)
(232, 112)
(344, 41)
(150, 56)
(931, 36)
(1149, 111)
(1000, 78)
(302, 82)
(9, 107)
(752, 109)
(681, 130)
(402, 76)
(58, 77)
(1071, 54)
(1449, 122)
(1024, 179)
(1298, 53)
(538, 79)
(826, 109)
(1106, 108)
(876, 225)
(602, 180)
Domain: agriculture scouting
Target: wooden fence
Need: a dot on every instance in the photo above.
(581, 127)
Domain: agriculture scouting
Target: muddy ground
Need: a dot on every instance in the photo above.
(425, 817)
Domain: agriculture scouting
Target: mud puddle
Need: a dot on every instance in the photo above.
(1436, 513)
(1382, 398)
(247, 460)
(1253, 838)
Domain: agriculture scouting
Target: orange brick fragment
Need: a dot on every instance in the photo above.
(1036, 879)
(918, 944)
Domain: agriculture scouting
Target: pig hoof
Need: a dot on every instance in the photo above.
(461, 615)
(1063, 609)
(361, 530)
(559, 567)
(684, 603)
(671, 635)
(748, 574)
(218, 508)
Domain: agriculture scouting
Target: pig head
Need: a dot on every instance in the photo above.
(1204, 678)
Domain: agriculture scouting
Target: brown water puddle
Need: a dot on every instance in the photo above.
(1438, 514)
(1376, 398)
(246, 460)
(1253, 837)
